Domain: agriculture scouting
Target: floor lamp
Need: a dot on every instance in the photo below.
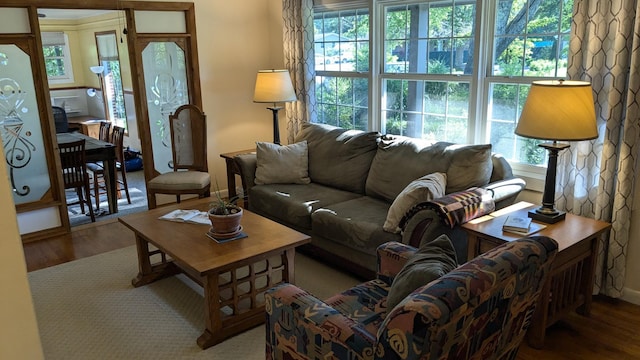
(557, 110)
(274, 86)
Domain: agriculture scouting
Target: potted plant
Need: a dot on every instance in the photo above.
(225, 214)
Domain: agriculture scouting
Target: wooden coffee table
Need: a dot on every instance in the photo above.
(234, 275)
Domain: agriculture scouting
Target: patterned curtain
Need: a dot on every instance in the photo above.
(299, 59)
(597, 178)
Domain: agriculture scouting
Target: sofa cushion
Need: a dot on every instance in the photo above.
(470, 165)
(355, 223)
(292, 204)
(432, 260)
(420, 190)
(400, 160)
(338, 157)
(278, 164)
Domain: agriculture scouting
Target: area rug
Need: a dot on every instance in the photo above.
(76, 217)
(88, 309)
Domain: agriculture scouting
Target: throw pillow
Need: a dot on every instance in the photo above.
(426, 188)
(432, 260)
(282, 164)
(471, 166)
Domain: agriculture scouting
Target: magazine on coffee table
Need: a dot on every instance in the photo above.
(187, 216)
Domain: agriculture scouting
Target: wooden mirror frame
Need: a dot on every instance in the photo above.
(139, 95)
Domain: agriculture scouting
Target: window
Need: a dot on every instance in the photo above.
(112, 79)
(455, 71)
(57, 58)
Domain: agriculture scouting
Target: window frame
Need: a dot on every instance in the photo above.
(480, 80)
(66, 60)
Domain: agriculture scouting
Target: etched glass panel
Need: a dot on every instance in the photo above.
(20, 127)
(165, 77)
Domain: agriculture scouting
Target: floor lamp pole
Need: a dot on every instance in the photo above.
(547, 213)
(276, 126)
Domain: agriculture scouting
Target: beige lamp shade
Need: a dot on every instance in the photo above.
(559, 110)
(97, 69)
(273, 86)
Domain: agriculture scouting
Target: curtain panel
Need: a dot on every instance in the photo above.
(597, 178)
(299, 60)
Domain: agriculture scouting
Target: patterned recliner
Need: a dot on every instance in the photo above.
(480, 310)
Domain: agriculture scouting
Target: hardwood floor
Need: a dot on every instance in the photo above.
(611, 332)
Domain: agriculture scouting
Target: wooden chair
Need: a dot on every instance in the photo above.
(97, 169)
(74, 173)
(104, 132)
(189, 149)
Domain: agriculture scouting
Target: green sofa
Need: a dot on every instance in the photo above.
(355, 177)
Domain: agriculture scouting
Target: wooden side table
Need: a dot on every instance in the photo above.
(570, 284)
(232, 171)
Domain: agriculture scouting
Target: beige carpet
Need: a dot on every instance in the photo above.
(87, 309)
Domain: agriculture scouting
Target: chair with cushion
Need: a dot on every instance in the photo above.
(479, 310)
(97, 169)
(74, 173)
(189, 150)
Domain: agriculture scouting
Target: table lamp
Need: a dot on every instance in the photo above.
(557, 110)
(274, 86)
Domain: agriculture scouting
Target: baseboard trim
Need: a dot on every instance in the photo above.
(632, 296)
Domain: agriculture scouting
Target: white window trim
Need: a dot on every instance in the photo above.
(68, 66)
(477, 129)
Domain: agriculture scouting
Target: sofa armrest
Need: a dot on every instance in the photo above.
(294, 315)
(247, 164)
(425, 225)
(506, 191)
(391, 258)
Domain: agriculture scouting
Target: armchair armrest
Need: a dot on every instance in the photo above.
(391, 258)
(294, 315)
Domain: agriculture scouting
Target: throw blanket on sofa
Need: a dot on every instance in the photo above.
(456, 208)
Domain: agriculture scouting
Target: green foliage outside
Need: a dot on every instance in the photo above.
(524, 47)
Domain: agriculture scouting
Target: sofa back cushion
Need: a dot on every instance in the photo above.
(399, 160)
(338, 157)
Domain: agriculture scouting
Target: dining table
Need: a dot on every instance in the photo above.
(98, 151)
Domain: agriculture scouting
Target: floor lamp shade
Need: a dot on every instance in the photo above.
(274, 86)
(557, 110)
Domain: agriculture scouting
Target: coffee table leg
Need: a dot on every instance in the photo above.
(289, 257)
(212, 318)
(148, 273)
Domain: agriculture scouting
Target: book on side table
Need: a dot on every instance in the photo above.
(521, 225)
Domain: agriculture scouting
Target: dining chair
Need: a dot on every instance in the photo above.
(97, 169)
(60, 119)
(104, 132)
(74, 173)
(190, 173)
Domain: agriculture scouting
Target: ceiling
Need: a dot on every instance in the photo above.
(65, 14)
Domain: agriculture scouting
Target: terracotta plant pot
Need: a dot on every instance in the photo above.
(226, 224)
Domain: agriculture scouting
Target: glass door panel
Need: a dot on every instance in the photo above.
(166, 88)
(21, 129)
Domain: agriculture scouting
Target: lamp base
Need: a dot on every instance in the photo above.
(547, 218)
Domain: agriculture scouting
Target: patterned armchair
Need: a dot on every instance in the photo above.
(480, 310)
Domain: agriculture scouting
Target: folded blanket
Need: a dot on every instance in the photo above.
(457, 208)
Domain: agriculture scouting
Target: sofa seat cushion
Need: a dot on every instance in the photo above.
(364, 303)
(292, 204)
(339, 157)
(355, 223)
